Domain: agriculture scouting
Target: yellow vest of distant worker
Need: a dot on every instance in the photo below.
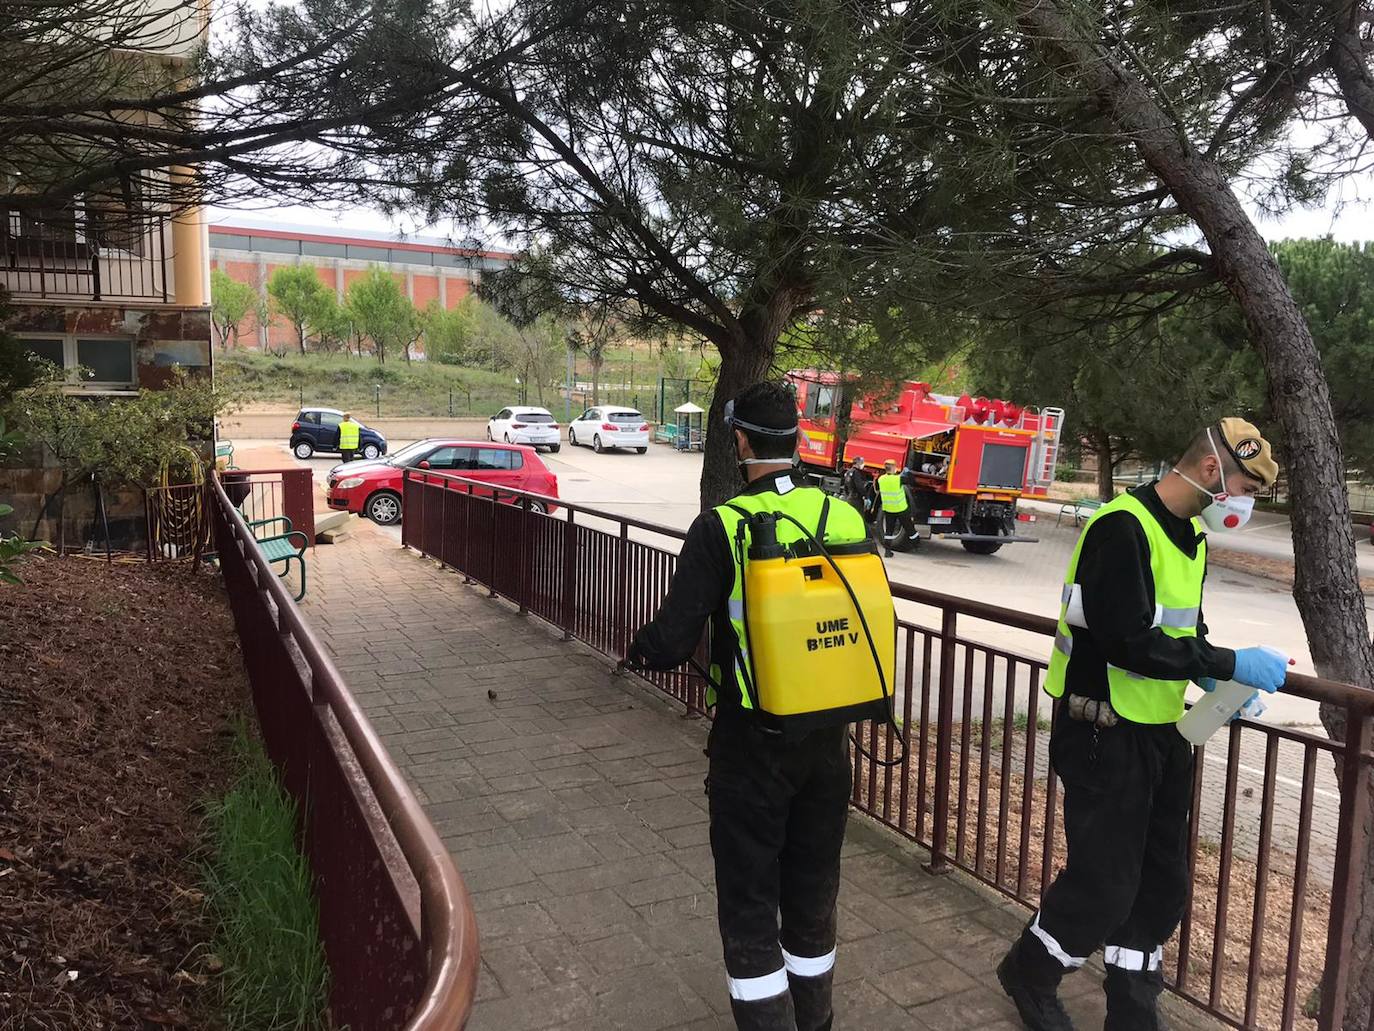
(815, 632)
(348, 436)
(892, 492)
(1178, 601)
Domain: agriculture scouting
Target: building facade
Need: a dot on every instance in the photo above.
(431, 270)
(111, 285)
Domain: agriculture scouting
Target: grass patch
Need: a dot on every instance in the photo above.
(420, 388)
(260, 895)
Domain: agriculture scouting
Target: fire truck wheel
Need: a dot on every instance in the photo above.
(981, 547)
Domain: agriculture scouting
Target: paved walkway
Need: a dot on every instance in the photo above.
(574, 806)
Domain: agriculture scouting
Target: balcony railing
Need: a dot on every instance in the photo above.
(85, 255)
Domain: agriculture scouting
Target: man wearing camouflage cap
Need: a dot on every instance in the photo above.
(1130, 638)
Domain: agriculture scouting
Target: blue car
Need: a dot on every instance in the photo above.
(317, 429)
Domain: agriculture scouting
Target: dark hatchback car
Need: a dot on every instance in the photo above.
(317, 429)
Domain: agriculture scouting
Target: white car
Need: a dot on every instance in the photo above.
(521, 424)
(610, 426)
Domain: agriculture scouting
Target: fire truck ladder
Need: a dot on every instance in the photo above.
(1046, 454)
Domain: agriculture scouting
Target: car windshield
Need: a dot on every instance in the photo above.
(625, 417)
(533, 417)
(410, 452)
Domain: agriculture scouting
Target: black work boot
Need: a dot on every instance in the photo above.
(811, 997)
(1133, 1000)
(773, 1014)
(1033, 984)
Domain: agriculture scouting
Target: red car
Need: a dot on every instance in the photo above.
(374, 489)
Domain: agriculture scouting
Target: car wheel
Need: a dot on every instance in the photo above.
(596, 444)
(303, 450)
(572, 439)
(489, 433)
(384, 508)
(641, 450)
(506, 437)
(553, 448)
(539, 506)
(371, 452)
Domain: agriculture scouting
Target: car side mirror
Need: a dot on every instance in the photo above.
(423, 465)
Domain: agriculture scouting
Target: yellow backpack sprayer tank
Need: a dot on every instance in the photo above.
(820, 629)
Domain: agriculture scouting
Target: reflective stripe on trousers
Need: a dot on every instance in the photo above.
(752, 989)
(1133, 959)
(1053, 947)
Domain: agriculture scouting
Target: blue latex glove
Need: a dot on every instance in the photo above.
(1253, 709)
(1208, 684)
(1260, 668)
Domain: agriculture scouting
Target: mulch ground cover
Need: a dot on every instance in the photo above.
(118, 685)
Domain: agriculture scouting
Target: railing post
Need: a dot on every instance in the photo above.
(443, 524)
(622, 607)
(522, 586)
(405, 504)
(492, 549)
(944, 740)
(569, 576)
(467, 537)
(1346, 885)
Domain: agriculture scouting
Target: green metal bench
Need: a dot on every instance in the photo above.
(282, 547)
(1081, 509)
(225, 449)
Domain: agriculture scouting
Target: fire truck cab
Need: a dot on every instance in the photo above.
(965, 461)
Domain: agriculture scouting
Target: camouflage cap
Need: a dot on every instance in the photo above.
(1250, 450)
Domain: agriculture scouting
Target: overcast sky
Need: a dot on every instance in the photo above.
(1347, 215)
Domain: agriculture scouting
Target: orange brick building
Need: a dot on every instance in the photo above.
(429, 269)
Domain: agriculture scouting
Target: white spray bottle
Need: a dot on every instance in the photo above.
(1214, 710)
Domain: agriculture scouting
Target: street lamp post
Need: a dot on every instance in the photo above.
(377, 396)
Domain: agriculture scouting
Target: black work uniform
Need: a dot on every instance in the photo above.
(858, 488)
(1127, 788)
(777, 806)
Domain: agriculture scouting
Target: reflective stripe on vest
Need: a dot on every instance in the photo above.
(348, 436)
(843, 525)
(892, 492)
(1178, 602)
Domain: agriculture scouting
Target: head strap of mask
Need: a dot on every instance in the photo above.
(740, 424)
(1221, 491)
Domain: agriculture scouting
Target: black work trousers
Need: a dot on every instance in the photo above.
(1127, 793)
(892, 521)
(778, 811)
(348, 454)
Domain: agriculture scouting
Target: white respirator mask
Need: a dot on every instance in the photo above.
(1227, 511)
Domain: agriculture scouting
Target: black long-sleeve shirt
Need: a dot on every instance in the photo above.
(1119, 606)
(699, 591)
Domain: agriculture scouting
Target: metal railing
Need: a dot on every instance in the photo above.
(1272, 859)
(397, 925)
(84, 256)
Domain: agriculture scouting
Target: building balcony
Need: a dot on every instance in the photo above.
(87, 255)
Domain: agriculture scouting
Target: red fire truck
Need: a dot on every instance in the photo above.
(965, 460)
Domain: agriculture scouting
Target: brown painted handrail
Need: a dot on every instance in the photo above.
(1317, 689)
(448, 926)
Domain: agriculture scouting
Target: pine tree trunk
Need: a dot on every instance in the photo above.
(1106, 487)
(300, 335)
(1326, 588)
(741, 365)
(596, 380)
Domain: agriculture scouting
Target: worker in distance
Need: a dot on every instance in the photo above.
(1130, 638)
(802, 634)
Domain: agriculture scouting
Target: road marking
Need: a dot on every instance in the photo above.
(1277, 776)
